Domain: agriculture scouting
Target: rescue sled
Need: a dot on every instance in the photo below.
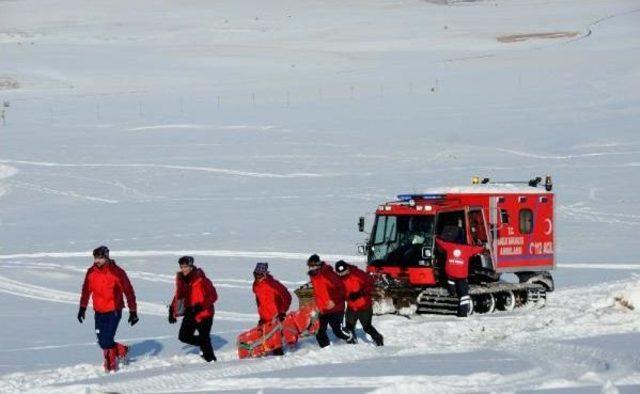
(273, 335)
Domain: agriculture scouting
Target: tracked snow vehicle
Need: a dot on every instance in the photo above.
(512, 222)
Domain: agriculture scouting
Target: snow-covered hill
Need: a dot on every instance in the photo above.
(246, 131)
(580, 339)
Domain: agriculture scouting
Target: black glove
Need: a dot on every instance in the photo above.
(355, 295)
(133, 318)
(281, 316)
(172, 319)
(81, 313)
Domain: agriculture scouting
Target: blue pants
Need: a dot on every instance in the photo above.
(106, 327)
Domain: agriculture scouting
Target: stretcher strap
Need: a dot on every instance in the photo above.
(250, 346)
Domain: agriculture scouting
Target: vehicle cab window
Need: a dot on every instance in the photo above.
(451, 227)
(477, 228)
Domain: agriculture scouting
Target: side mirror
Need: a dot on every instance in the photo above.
(361, 224)
(426, 253)
(362, 249)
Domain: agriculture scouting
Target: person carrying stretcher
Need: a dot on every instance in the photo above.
(272, 298)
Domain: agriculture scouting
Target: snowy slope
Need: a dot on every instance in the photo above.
(526, 349)
(246, 131)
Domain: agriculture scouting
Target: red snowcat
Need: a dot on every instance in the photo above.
(513, 222)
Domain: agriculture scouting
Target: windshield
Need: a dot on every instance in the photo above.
(398, 240)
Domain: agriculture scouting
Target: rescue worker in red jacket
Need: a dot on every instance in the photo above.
(105, 283)
(328, 291)
(194, 298)
(272, 297)
(456, 267)
(358, 286)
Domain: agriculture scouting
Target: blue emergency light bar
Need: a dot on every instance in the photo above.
(409, 197)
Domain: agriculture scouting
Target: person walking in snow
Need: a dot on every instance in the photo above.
(193, 300)
(272, 297)
(358, 286)
(105, 282)
(328, 291)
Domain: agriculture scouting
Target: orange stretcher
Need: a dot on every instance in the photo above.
(265, 338)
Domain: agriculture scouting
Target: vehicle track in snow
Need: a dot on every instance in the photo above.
(16, 259)
(565, 157)
(581, 212)
(63, 193)
(137, 274)
(589, 29)
(214, 170)
(41, 293)
(178, 253)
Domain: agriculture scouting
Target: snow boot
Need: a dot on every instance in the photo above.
(107, 366)
(122, 351)
(208, 357)
(110, 360)
(465, 307)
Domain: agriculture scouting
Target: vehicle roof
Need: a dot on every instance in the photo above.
(489, 189)
(439, 198)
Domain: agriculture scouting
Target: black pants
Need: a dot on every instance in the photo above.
(106, 327)
(187, 330)
(460, 288)
(365, 317)
(335, 321)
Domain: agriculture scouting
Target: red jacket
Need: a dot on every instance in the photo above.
(327, 286)
(457, 256)
(272, 298)
(105, 285)
(358, 281)
(193, 290)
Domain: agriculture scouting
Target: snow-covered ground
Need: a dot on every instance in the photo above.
(240, 131)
